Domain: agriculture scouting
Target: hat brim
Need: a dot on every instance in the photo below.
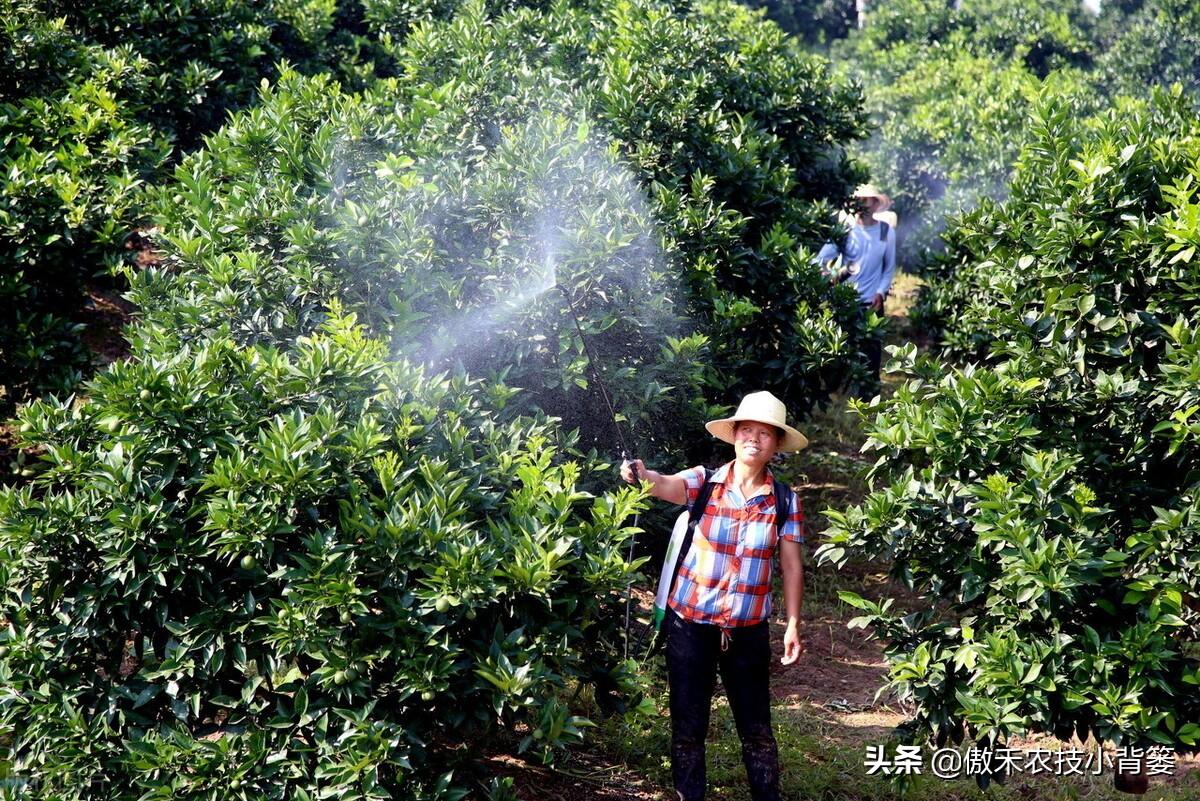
(792, 440)
(884, 200)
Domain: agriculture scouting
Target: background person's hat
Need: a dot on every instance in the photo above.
(760, 407)
(870, 190)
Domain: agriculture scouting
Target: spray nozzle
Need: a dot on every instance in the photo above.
(632, 466)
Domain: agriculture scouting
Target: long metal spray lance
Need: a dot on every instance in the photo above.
(625, 452)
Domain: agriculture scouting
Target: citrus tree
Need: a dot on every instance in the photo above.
(321, 533)
(948, 89)
(95, 99)
(320, 566)
(1043, 502)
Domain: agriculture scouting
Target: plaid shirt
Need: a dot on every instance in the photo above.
(726, 577)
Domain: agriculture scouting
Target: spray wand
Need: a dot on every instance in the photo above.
(612, 413)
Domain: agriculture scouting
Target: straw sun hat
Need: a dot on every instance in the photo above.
(760, 407)
(870, 190)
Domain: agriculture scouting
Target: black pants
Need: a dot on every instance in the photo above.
(694, 656)
(872, 349)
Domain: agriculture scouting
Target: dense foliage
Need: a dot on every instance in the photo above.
(94, 99)
(948, 87)
(1157, 44)
(288, 561)
(1045, 502)
(320, 535)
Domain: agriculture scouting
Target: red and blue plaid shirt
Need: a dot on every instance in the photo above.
(726, 578)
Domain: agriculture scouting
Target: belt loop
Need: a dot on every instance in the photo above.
(726, 635)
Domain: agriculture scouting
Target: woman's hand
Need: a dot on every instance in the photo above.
(630, 469)
(793, 644)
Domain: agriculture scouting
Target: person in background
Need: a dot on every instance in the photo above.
(868, 261)
(720, 604)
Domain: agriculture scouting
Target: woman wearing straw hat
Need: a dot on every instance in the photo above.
(868, 259)
(720, 602)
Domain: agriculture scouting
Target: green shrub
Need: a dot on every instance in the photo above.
(1157, 45)
(737, 137)
(318, 566)
(1044, 504)
(297, 569)
(948, 89)
(72, 157)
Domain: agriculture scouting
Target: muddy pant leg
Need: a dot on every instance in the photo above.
(745, 672)
(691, 672)
(872, 348)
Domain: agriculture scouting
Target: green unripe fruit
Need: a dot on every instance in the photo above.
(339, 678)
(249, 562)
(442, 605)
(345, 617)
(538, 734)
(471, 614)
(352, 674)
(428, 695)
(110, 424)
(25, 427)
(144, 394)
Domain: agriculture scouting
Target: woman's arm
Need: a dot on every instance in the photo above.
(888, 268)
(792, 562)
(672, 489)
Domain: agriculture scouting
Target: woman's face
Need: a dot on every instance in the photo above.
(755, 443)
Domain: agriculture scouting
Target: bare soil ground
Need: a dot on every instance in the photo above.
(104, 315)
(587, 777)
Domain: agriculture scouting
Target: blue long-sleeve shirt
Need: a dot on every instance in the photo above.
(876, 259)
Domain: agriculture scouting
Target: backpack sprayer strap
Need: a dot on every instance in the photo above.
(783, 504)
(695, 512)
